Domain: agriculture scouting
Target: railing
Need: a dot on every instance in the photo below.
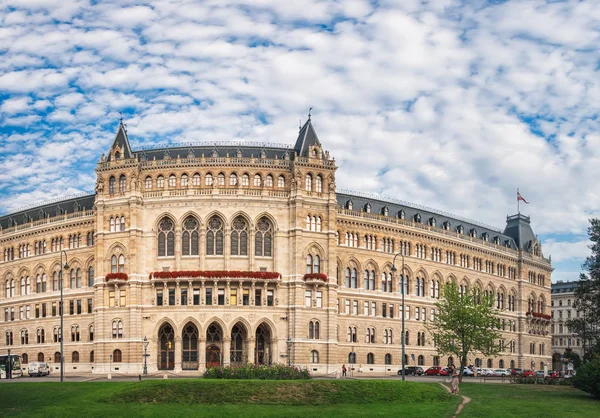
(46, 221)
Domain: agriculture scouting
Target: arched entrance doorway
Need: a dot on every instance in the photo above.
(189, 347)
(166, 357)
(238, 338)
(213, 345)
(262, 352)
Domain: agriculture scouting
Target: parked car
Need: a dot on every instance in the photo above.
(528, 373)
(412, 370)
(37, 368)
(433, 371)
(502, 372)
(516, 372)
(467, 372)
(444, 372)
(488, 372)
(539, 373)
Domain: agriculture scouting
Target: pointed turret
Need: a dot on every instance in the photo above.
(308, 142)
(120, 148)
(518, 227)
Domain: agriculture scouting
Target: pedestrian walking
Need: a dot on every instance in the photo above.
(343, 370)
(454, 383)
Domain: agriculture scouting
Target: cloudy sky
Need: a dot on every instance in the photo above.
(448, 104)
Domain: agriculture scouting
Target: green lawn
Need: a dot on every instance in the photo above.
(174, 398)
(531, 401)
(336, 398)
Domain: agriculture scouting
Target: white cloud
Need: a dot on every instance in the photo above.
(424, 101)
(564, 251)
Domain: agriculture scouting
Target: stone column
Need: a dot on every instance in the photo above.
(177, 294)
(178, 349)
(202, 293)
(165, 294)
(226, 353)
(202, 353)
(250, 347)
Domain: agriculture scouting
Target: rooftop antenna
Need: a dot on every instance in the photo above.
(309, 109)
(300, 124)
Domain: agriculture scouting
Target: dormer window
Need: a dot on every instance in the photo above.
(485, 236)
(215, 154)
(460, 229)
(349, 205)
(401, 214)
(496, 240)
(417, 218)
(507, 243)
(368, 207)
(314, 153)
(431, 221)
(473, 233)
(385, 211)
(447, 225)
(117, 155)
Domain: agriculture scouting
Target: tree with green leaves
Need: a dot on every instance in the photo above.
(465, 323)
(587, 298)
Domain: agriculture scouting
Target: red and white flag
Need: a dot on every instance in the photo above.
(519, 197)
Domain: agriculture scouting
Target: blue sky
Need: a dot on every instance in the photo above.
(449, 104)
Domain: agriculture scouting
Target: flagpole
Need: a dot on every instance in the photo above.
(518, 202)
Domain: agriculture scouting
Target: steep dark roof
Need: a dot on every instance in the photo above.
(306, 139)
(379, 203)
(122, 141)
(217, 149)
(48, 210)
(519, 228)
(564, 287)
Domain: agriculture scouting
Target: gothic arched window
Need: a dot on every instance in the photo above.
(214, 236)
(239, 236)
(189, 237)
(122, 183)
(166, 238)
(263, 239)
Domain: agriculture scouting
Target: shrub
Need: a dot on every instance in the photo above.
(251, 371)
(541, 381)
(588, 377)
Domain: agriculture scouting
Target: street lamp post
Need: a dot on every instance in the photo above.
(402, 283)
(289, 348)
(145, 342)
(62, 313)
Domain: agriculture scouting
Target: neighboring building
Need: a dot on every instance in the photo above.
(563, 296)
(230, 253)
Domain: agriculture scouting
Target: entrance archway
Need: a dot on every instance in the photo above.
(214, 338)
(262, 352)
(238, 338)
(166, 356)
(189, 347)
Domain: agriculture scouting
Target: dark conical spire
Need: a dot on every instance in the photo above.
(306, 139)
(120, 144)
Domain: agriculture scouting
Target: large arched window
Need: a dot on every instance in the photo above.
(233, 180)
(319, 184)
(184, 180)
(117, 328)
(122, 183)
(160, 182)
(112, 185)
(117, 356)
(214, 236)
(263, 238)
(148, 183)
(208, 179)
(172, 180)
(91, 276)
(189, 238)
(220, 179)
(281, 182)
(166, 238)
(308, 182)
(75, 357)
(313, 264)
(121, 266)
(370, 358)
(245, 180)
(239, 236)
(269, 181)
(314, 356)
(257, 180)
(72, 279)
(388, 358)
(196, 179)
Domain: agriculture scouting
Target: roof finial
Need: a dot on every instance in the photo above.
(309, 109)
(121, 118)
(299, 124)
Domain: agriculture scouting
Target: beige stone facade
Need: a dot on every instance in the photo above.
(212, 221)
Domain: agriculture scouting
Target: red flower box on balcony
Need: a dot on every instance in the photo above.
(539, 315)
(218, 274)
(116, 276)
(316, 276)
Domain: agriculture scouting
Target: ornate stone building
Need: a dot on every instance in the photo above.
(563, 341)
(227, 253)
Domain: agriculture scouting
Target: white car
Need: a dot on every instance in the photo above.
(502, 372)
(37, 368)
(488, 372)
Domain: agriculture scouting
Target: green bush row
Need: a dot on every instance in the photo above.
(588, 377)
(251, 371)
(541, 381)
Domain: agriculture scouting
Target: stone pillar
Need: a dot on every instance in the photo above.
(226, 353)
(178, 350)
(202, 293)
(250, 347)
(165, 294)
(202, 353)
(177, 294)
